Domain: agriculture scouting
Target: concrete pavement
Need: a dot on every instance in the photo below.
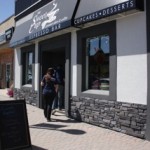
(67, 134)
(3, 95)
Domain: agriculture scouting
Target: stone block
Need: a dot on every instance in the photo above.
(127, 129)
(133, 123)
(106, 121)
(123, 108)
(102, 125)
(95, 113)
(87, 120)
(126, 105)
(136, 134)
(103, 101)
(116, 129)
(113, 122)
(144, 107)
(135, 127)
(141, 121)
(124, 122)
(78, 104)
(82, 107)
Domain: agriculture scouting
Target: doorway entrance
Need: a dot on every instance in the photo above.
(51, 59)
(53, 52)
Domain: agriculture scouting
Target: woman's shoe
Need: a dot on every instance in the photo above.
(53, 112)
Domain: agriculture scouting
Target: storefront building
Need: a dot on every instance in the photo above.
(42, 39)
(6, 53)
(103, 49)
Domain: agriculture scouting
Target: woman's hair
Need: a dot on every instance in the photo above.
(50, 71)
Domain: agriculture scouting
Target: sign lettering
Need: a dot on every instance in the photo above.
(128, 5)
(46, 19)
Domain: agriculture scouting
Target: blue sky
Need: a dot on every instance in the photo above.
(6, 9)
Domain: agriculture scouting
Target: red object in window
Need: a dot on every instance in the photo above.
(10, 92)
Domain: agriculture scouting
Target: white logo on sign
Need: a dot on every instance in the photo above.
(48, 18)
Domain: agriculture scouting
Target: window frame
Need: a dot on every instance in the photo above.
(88, 62)
(25, 51)
(98, 30)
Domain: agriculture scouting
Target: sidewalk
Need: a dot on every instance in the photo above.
(66, 134)
(3, 92)
(3, 95)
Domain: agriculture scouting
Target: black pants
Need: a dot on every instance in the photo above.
(48, 101)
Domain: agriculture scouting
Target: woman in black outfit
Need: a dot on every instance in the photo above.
(49, 92)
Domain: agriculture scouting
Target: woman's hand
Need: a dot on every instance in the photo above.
(56, 88)
(42, 83)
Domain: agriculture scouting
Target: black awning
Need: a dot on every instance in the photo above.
(52, 17)
(90, 10)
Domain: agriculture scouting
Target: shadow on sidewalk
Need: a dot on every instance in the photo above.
(73, 131)
(66, 121)
(47, 126)
(56, 127)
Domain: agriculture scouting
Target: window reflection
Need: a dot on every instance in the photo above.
(27, 67)
(97, 63)
(28, 72)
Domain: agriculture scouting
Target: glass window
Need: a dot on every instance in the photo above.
(97, 62)
(27, 67)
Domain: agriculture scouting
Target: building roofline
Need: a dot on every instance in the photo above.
(7, 19)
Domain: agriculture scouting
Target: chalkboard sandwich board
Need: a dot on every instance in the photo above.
(14, 128)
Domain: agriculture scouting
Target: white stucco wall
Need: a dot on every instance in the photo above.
(74, 64)
(36, 76)
(17, 77)
(132, 59)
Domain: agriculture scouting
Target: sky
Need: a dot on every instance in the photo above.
(6, 9)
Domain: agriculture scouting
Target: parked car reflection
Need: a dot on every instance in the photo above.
(102, 84)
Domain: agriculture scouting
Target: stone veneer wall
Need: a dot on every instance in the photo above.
(28, 94)
(122, 117)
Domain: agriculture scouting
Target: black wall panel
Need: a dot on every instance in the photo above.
(21, 5)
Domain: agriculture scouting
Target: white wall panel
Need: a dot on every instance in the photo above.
(131, 35)
(132, 79)
(74, 64)
(132, 59)
(36, 79)
(18, 71)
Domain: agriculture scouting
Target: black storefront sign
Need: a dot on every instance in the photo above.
(116, 9)
(9, 33)
(48, 19)
(14, 129)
